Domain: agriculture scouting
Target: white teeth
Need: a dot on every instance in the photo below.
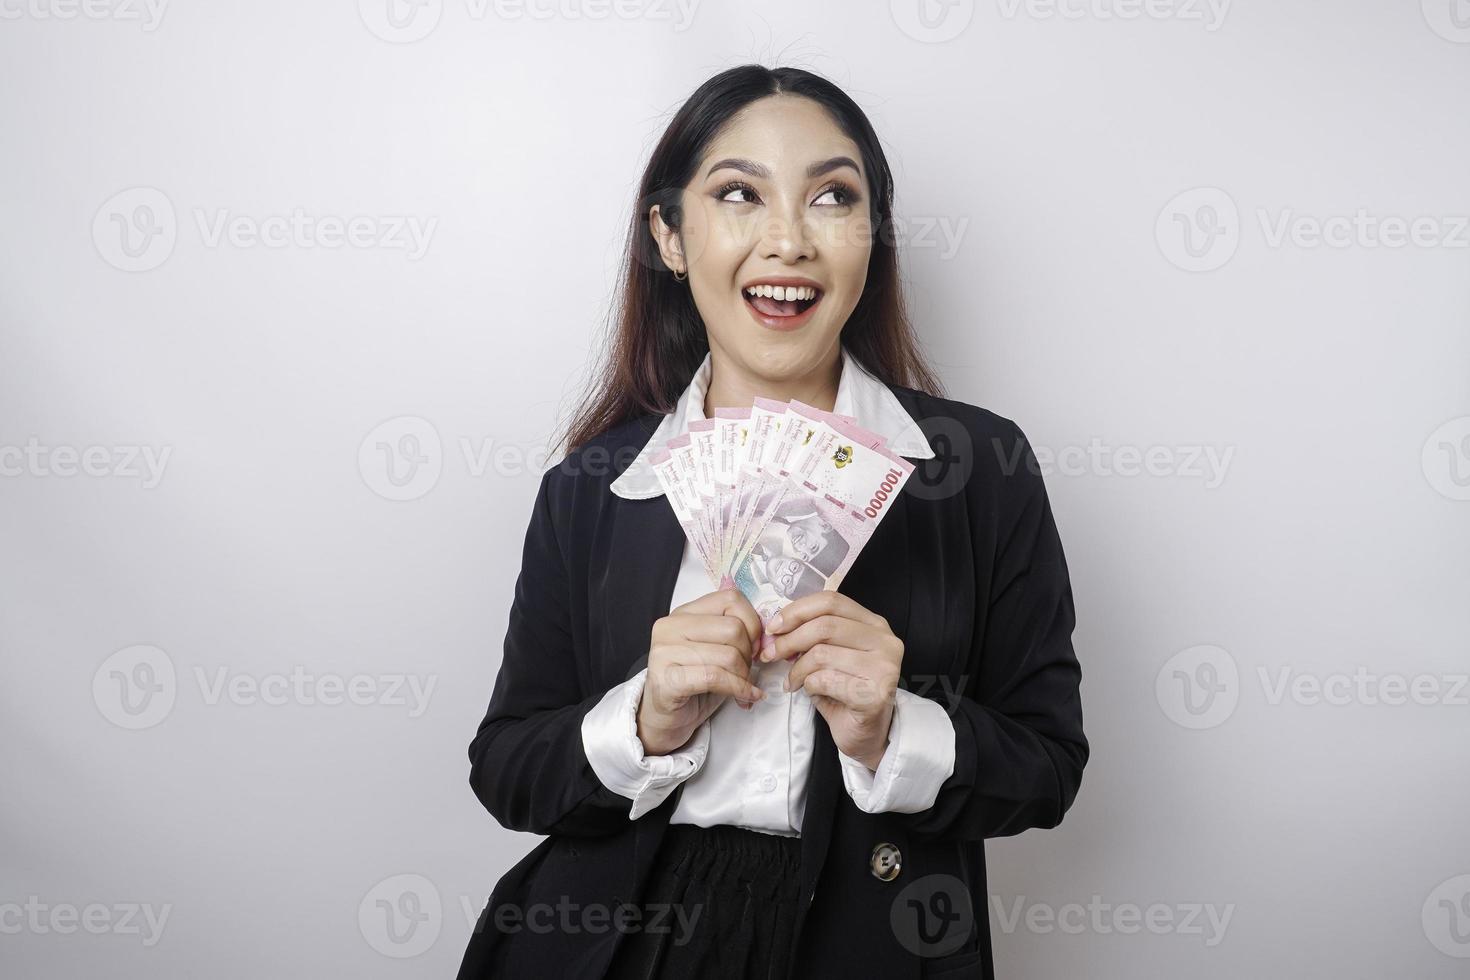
(782, 292)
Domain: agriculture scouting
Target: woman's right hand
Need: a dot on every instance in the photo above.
(699, 655)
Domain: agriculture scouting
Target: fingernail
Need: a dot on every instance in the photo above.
(775, 622)
(768, 647)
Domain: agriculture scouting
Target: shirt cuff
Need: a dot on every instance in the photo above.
(919, 758)
(610, 739)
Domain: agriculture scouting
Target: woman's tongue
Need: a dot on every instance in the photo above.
(776, 307)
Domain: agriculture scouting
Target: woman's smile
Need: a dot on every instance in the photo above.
(781, 302)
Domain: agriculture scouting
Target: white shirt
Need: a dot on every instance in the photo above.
(749, 768)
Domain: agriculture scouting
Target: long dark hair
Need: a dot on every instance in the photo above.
(660, 338)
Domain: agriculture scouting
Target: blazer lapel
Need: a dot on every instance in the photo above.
(639, 571)
(643, 553)
(879, 581)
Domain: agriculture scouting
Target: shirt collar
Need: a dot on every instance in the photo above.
(859, 394)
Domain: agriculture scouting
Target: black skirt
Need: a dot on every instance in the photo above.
(725, 899)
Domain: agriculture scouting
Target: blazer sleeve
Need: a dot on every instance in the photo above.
(1019, 744)
(527, 762)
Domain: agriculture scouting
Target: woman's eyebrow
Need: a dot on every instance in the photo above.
(764, 172)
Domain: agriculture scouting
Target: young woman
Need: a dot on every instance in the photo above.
(717, 803)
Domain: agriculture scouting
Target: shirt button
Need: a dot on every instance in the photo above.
(885, 862)
(768, 782)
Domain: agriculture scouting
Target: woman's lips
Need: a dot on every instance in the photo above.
(767, 315)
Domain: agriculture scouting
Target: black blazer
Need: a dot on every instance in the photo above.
(969, 572)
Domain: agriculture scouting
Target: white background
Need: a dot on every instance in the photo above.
(1064, 151)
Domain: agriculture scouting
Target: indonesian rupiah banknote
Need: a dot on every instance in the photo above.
(778, 500)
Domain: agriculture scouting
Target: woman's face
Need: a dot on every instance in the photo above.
(779, 194)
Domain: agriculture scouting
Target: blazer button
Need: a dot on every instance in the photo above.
(886, 862)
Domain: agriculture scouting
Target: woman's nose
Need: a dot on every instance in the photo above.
(787, 237)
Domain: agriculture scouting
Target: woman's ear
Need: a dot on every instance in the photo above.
(667, 239)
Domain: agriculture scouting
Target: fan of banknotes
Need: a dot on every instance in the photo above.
(778, 499)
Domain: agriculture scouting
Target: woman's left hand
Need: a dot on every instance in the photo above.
(848, 663)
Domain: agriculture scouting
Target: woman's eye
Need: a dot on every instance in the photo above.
(740, 193)
(842, 194)
(724, 193)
